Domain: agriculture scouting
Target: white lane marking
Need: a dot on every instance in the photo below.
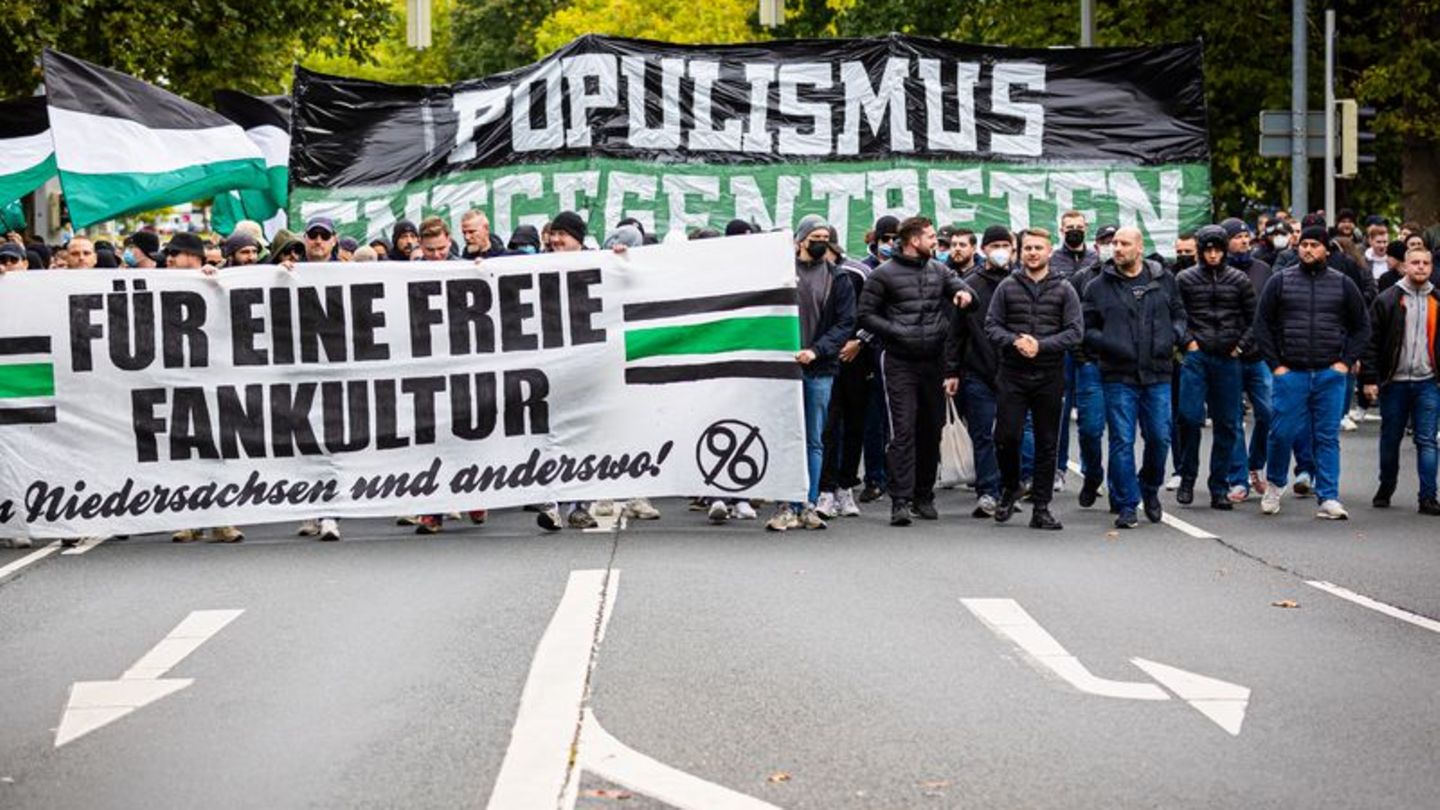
(612, 760)
(30, 559)
(85, 545)
(537, 761)
(1182, 526)
(1008, 619)
(1365, 601)
(610, 523)
(94, 704)
(546, 756)
(1221, 701)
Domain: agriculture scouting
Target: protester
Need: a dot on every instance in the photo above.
(1311, 324)
(475, 231)
(140, 250)
(1134, 320)
(241, 250)
(524, 240)
(974, 360)
(1074, 255)
(1399, 369)
(12, 258)
(1034, 319)
(405, 239)
(80, 253)
(345, 248)
(845, 424)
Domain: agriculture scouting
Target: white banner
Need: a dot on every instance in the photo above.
(135, 401)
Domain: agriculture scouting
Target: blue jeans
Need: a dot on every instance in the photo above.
(1257, 386)
(1214, 381)
(1308, 402)
(978, 406)
(817, 404)
(1090, 398)
(1125, 407)
(1416, 404)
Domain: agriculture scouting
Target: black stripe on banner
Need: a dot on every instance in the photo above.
(254, 111)
(27, 416)
(23, 117)
(650, 310)
(39, 344)
(757, 369)
(76, 85)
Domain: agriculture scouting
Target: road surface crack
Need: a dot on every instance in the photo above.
(572, 765)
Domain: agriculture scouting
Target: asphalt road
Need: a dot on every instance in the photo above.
(835, 669)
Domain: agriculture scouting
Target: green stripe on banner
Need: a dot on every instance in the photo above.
(97, 197)
(27, 380)
(765, 333)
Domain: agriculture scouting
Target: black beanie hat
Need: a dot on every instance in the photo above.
(995, 233)
(571, 223)
(738, 227)
(886, 226)
(1396, 250)
(1316, 232)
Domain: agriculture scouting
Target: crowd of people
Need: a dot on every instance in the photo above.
(1304, 325)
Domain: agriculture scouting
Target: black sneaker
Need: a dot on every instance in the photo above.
(1042, 519)
(925, 509)
(1429, 506)
(1089, 491)
(1185, 495)
(871, 493)
(1382, 497)
(1006, 508)
(900, 512)
(1127, 519)
(1153, 510)
(1222, 503)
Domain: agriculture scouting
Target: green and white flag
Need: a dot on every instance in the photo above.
(27, 156)
(124, 146)
(266, 121)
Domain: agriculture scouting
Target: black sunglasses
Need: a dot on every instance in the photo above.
(10, 259)
(317, 233)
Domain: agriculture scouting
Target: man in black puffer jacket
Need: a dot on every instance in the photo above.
(905, 304)
(1034, 319)
(1312, 325)
(1133, 322)
(1220, 306)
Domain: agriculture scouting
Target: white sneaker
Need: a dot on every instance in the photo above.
(744, 511)
(1270, 501)
(1238, 494)
(309, 528)
(329, 529)
(718, 512)
(602, 508)
(1303, 485)
(1059, 481)
(1357, 414)
(640, 509)
(986, 505)
(845, 502)
(1347, 424)
(548, 518)
(1173, 484)
(18, 542)
(1332, 510)
(826, 505)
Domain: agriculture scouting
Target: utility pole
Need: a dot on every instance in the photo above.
(1087, 23)
(1330, 114)
(1299, 164)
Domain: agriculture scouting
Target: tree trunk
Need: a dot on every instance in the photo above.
(1420, 180)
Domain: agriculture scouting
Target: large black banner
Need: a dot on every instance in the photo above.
(684, 118)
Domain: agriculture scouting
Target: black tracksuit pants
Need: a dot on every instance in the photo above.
(1041, 393)
(845, 425)
(917, 406)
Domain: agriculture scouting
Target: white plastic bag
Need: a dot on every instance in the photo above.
(957, 455)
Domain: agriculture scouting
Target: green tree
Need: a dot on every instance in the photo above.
(496, 35)
(192, 48)
(680, 21)
(394, 61)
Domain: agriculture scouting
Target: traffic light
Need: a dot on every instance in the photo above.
(1352, 116)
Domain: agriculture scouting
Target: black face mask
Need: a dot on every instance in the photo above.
(1074, 239)
(816, 250)
(1182, 262)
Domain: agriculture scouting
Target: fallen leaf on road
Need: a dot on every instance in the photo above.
(602, 793)
(1285, 603)
(1112, 535)
(778, 777)
(935, 784)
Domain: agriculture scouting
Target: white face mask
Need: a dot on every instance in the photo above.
(1000, 257)
(1106, 252)
(1280, 241)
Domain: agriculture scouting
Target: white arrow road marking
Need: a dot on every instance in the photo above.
(1221, 701)
(29, 559)
(94, 704)
(556, 737)
(1006, 618)
(612, 760)
(1365, 601)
